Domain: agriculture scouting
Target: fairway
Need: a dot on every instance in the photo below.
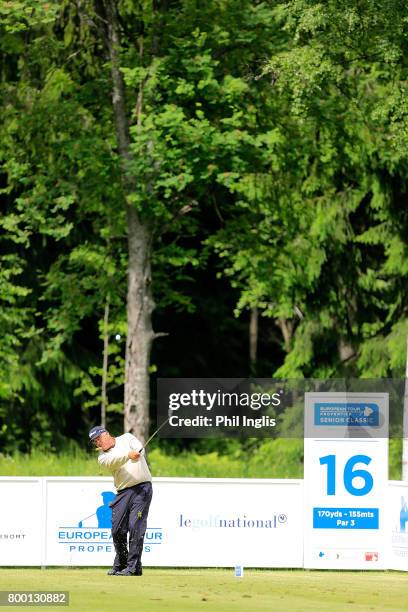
(216, 589)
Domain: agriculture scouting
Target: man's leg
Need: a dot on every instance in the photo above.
(120, 520)
(139, 550)
(138, 511)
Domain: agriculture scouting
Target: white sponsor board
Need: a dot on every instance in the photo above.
(398, 525)
(192, 522)
(78, 525)
(220, 522)
(21, 521)
(345, 480)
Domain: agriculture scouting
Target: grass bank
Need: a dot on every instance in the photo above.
(281, 458)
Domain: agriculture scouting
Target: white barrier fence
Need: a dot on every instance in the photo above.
(192, 522)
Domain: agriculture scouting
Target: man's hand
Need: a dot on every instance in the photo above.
(133, 454)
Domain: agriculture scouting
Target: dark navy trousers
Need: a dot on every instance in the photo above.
(129, 515)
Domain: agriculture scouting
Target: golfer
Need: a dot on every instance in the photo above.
(130, 507)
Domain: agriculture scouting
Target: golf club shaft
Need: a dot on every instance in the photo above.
(154, 434)
(87, 517)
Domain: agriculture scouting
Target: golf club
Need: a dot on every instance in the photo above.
(84, 519)
(151, 437)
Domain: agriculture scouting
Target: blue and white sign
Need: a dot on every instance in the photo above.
(398, 525)
(220, 522)
(79, 522)
(355, 414)
(346, 480)
(192, 522)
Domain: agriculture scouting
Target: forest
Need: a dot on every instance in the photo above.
(195, 189)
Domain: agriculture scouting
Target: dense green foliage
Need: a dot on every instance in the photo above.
(270, 159)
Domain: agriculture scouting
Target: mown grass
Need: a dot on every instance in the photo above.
(216, 590)
(281, 458)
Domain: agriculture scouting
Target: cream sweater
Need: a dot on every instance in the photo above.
(126, 472)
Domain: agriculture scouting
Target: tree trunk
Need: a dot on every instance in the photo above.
(104, 398)
(286, 327)
(346, 351)
(139, 297)
(140, 306)
(405, 426)
(253, 339)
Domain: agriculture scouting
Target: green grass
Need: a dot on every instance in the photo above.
(216, 589)
(40, 463)
(274, 459)
(282, 458)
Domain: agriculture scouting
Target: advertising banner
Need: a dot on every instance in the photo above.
(398, 525)
(192, 522)
(78, 525)
(345, 480)
(21, 521)
(217, 522)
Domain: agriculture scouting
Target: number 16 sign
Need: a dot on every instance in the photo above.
(345, 480)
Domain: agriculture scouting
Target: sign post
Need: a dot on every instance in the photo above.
(345, 480)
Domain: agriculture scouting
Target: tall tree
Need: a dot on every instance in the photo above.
(122, 142)
(140, 303)
(334, 278)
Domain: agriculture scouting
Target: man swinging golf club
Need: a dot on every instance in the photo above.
(130, 507)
